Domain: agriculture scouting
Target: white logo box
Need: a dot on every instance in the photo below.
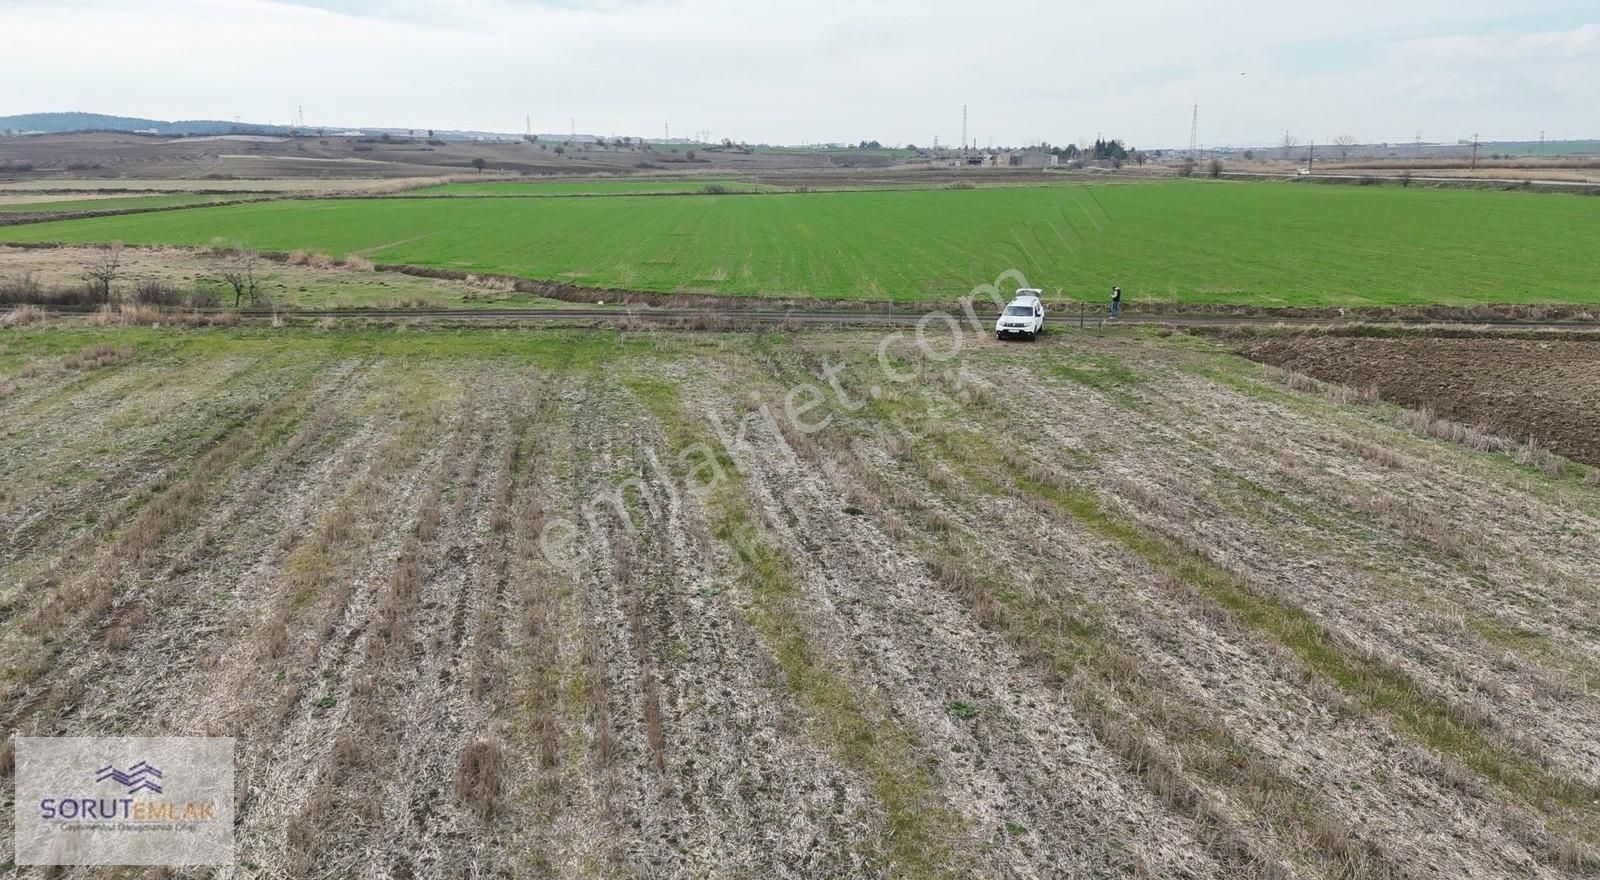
(114, 800)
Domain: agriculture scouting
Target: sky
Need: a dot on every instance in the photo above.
(761, 71)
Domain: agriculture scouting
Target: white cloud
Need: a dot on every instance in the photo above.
(1502, 47)
(785, 72)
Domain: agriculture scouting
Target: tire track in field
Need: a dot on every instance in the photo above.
(331, 576)
(1010, 770)
(164, 609)
(1361, 744)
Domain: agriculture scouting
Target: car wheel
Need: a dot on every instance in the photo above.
(1000, 336)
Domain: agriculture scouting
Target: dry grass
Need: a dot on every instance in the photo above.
(1219, 689)
(1331, 390)
(1373, 452)
(1527, 453)
(134, 314)
(309, 258)
(480, 778)
(22, 316)
(95, 357)
(492, 282)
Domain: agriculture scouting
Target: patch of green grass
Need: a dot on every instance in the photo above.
(1261, 244)
(576, 350)
(964, 711)
(114, 203)
(1102, 372)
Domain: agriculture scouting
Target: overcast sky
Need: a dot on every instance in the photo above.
(762, 71)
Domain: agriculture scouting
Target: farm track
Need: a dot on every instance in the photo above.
(737, 316)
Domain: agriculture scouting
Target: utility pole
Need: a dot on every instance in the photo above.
(1311, 156)
(1541, 142)
(1194, 134)
(963, 128)
(1474, 150)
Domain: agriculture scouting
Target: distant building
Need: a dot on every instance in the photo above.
(1032, 159)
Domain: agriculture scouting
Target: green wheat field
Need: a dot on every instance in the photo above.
(1188, 241)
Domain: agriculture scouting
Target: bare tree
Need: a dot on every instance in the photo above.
(103, 270)
(1344, 142)
(1214, 169)
(1288, 145)
(239, 273)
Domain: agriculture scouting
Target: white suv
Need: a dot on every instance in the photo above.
(1023, 316)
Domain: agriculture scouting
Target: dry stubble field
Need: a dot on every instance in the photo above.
(520, 604)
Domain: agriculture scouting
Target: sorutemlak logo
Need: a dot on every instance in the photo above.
(89, 800)
(140, 777)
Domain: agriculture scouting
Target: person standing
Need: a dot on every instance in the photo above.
(1116, 302)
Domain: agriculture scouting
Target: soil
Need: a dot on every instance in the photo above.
(335, 544)
(1549, 390)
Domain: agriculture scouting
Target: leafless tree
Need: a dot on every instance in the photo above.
(1288, 145)
(1214, 169)
(1344, 142)
(103, 271)
(239, 273)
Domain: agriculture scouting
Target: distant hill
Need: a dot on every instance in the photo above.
(55, 123)
(58, 123)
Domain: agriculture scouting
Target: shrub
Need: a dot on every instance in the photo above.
(714, 189)
(21, 316)
(204, 298)
(309, 258)
(24, 288)
(156, 293)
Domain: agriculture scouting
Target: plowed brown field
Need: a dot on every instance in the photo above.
(1546, 389)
